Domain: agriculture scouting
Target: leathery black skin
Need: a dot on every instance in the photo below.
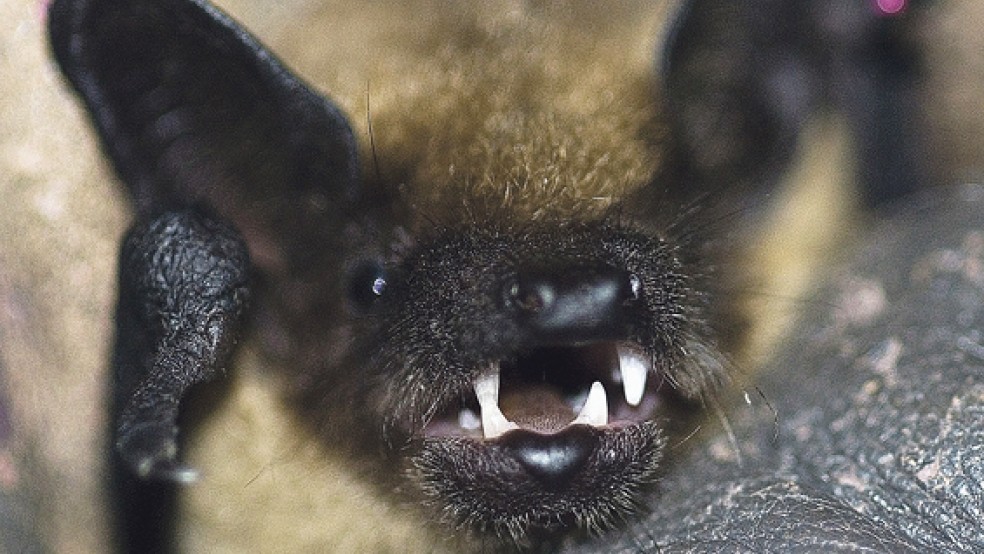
(181, 95)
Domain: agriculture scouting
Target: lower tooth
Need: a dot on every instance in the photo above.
(494, 423)
(467, 419)
(595, 409)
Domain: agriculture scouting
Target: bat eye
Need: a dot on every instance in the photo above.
(367, 284)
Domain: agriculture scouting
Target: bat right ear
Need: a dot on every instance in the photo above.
(193, 109)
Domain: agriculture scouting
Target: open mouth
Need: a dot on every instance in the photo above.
(547, 390)
(558, 435)
(552, 418)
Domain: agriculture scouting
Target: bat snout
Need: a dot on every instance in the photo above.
(566, 304)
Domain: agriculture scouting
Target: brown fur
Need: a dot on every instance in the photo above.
(449, 84)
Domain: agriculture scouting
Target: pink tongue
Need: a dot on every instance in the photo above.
(536, 407)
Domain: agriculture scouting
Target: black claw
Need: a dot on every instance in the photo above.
(150, 451)
(171, 470)
(183, 294)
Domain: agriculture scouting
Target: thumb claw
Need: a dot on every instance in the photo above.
(150, 451)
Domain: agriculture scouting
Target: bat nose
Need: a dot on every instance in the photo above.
(570, 304)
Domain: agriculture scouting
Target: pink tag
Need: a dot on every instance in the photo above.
(890, 7)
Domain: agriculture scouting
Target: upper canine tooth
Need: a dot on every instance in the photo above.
(595, 409)
(487, 387)
(635, 369)
(494, 422)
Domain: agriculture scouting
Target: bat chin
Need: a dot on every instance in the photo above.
(558, 436)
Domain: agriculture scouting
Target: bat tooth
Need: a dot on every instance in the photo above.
(494, 422)
(468, 420)
(595, 409)
(634, 368)
(487, 387)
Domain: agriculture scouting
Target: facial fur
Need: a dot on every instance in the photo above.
(510, 186)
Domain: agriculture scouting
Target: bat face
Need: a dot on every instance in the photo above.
(521, 314)
(494, 300)
(520, 369)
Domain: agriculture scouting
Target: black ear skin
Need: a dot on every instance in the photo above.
(192, 109)
(739, 87)
(743, 78)
(187, 104)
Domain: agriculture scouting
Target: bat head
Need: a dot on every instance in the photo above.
(501, 322)
(520, 368)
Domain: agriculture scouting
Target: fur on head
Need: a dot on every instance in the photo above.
(527, 240)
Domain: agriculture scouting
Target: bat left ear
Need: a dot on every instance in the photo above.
(739, 89)
(192, 109)
(743, 78)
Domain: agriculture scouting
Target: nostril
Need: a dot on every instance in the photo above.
(555, 459)
(531, 296)
(564, 303)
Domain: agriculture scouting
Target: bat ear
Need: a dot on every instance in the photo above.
(739, 87)
(192, 109)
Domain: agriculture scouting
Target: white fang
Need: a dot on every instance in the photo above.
(595, 409)
(494, 423)
(634, 368)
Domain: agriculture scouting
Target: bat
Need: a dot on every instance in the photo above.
(496, 304)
